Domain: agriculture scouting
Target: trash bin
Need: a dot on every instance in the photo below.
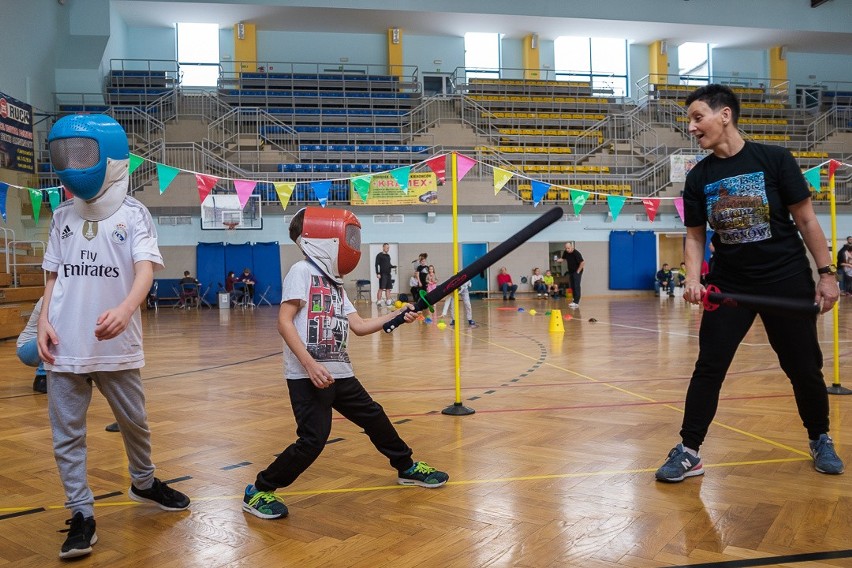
(224, 301)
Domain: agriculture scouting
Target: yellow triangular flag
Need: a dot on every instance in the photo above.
(284, 190)
(500, 178)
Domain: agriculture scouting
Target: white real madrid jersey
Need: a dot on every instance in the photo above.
(94, 262)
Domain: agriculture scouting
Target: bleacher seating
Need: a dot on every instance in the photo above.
(17, 298)
(138, 87)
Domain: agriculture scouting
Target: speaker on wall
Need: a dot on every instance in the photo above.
(534, 41)
(664, 47)
(782, 53)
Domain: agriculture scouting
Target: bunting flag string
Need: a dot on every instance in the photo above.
(361, 184)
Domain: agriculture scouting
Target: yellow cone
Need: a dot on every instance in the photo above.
(556, 322)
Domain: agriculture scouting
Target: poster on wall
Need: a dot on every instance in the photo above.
(16, 135)
(385, 190)
(681, 164)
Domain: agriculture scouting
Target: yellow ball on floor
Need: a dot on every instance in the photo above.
(397, 304)
(533, 312)
(442, 325)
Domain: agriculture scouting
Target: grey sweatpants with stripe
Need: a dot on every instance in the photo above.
(69, 396)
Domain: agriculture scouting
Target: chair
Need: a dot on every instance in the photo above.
(201, 297)
(153, 298)
(263, 298)
(242, 296)
(189, 295)
(362, 288)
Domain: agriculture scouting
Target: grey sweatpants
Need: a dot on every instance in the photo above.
(69, 396)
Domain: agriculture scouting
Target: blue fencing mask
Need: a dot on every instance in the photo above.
(90, 155)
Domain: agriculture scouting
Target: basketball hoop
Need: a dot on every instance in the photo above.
(230, 225)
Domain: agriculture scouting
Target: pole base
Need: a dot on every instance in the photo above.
(458, 409)
(837, 389)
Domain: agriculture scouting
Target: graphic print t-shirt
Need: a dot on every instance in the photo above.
(322, 321)
(93, 261)
(745, 199)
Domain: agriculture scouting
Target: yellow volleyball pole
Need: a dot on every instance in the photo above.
(835, 387)
(457, 408)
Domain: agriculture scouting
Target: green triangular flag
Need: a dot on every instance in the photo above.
(166, 174)
(35, 198)
(53, 197)
(362, 186)
(401, 176)
(615, 202)
(812, 177)
(578, 198)
(135, 162)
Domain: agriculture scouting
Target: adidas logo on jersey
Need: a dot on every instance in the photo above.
(67, 232)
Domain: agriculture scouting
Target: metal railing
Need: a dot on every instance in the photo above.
(12, 248)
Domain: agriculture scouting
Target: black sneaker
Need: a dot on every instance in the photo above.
(424, 475)
(113, 427)
(161, 495)
(40, 383)
(81, 537)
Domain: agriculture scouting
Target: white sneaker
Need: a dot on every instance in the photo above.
(389, 302)
(573, 305)
(378, 303)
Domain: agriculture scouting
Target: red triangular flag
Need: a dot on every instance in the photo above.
(832, 167)
(651, 205)
(205, 185)
(438, 165)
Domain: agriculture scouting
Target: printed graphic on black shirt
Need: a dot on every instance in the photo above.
(738, 209)
(328, 327)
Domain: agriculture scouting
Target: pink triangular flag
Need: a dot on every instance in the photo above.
(463, 165)
(678, 203)
(205, 185)
(244, 189)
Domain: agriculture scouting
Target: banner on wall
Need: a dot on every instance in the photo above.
(385, 190)
(16, 135)
(681, 164)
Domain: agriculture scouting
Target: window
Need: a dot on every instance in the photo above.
(599, 61)
(198, 54)
(694, 63)
(482, 55)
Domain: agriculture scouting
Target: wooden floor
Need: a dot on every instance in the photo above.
(555, 468)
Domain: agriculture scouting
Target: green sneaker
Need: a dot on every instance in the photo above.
(422, 474)
(263, 504)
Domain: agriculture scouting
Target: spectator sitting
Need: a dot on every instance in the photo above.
(188, 289)
(504, 282)
(680, 274)
(236, 295)
(249, 280)
(552, 287)
(537, 281)
(664, 278)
